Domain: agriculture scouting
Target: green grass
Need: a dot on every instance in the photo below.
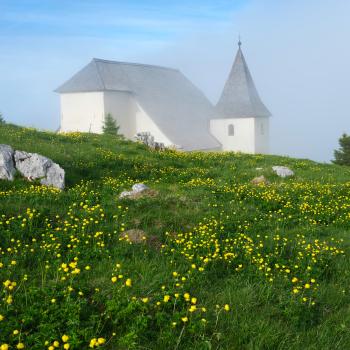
(277, 255)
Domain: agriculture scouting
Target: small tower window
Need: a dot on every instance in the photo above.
(231, 130)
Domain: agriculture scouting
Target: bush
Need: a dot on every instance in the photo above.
(342, 155)
(2, 120)
(110, 126)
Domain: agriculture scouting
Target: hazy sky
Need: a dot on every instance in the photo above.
(297, 50)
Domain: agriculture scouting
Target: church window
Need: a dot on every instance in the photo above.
(231, 130)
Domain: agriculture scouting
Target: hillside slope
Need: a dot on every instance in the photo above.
(224, 264)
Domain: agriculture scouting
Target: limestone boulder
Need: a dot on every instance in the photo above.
(283, 171)
(34, 166)
(7, 165)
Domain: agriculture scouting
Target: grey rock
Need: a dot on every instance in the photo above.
(283, 171)
(54, 177)
(34, 166)
(126, 194)
(147, 139)
(7, 165)
(139, 188)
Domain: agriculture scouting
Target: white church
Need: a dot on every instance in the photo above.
(163, 102)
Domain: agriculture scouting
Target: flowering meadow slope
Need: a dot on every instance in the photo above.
(223, 264)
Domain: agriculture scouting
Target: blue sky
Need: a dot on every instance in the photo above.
(297, 52)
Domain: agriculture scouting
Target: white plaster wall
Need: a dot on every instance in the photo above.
(244, 134)
(122, 107)
(82, 111)
(145, 124)
(262, 135)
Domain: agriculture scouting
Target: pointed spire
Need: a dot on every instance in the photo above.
(240, 98)
(239, 42)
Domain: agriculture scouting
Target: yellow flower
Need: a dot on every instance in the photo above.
(66, 346)
(56, 344)
(144, 300)
(87, 267)
(193, 300)
(175, 274)
(4, 347)
(101, 340)
(227, 307)
(294, 280)
(184, 319)
(295, 290)
(313, 280)
(20, 346)
(16, 331)
(192, 308)
(51, 348)
(128, 282)
(93, 342)
(114, 279)
(166, 298)
(65, 338)
(1, 318)
(187, 296)
(53, 300)
(307, 286)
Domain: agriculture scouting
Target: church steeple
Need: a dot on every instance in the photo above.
(240, 98)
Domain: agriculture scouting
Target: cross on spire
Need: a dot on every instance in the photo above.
(239, 41)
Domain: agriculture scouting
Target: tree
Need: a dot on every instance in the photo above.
(342, 155)
(110, 126)
(2, 120)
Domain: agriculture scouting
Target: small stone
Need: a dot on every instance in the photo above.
(282, 171)
(137, 188)
(260, 180)
(126, 194)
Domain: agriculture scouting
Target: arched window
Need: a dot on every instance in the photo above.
(231, 130)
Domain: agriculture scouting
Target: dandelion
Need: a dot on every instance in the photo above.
(101, 341)
(227, 307)
(114, 279)
(184, 319)
(128, 282)
(20, 346)
(166, 298)
(307, 286)
(65, 338)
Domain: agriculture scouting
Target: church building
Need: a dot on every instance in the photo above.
(163, 102)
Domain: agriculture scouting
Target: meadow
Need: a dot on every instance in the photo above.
(223, 264)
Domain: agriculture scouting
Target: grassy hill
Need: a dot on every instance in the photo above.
(224, 264)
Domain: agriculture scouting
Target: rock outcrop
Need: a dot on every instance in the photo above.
(7, 165)
(34, 166)
(31, 166)
(283, 171)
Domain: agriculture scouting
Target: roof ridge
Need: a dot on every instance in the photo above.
(99, 74)
(134, 64)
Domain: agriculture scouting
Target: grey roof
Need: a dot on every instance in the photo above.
(180, 110)
(240, 98)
